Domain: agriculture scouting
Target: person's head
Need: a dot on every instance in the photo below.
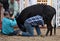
(8, 14)
(12, 1)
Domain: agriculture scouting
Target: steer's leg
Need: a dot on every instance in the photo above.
(51, 31)
(50, 27)
(55, 29)
(47, 32)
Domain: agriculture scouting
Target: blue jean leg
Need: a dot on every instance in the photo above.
(38, 30)
(29, 29)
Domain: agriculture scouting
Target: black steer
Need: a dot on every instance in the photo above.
(46, 11)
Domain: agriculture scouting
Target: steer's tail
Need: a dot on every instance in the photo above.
(54, 23)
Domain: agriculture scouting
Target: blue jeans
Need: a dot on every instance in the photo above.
(30, 30)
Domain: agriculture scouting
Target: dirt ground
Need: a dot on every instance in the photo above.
(35, 38)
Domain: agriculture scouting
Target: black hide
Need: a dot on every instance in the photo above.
(46, 11)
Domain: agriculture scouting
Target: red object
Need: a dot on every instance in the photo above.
(0, 24)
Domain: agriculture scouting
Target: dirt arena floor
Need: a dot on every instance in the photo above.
(35, 38)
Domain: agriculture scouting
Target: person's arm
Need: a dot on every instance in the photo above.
(13, 22)
(15, 8)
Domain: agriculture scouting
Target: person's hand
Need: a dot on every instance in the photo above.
(12, 17)
(40, 25)
(45, 25)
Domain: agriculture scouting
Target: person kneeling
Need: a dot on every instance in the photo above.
(31, 23)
